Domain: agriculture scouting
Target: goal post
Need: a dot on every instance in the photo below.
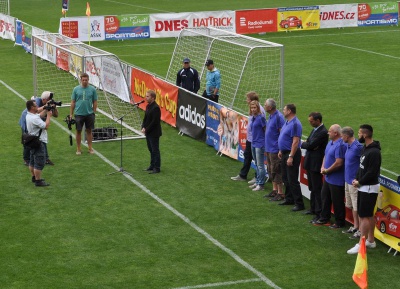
(5, 7)
(246, 64)
(58, 62)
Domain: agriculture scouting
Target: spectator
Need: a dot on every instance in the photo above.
(367, 182)
(290, 155)
(272, 131)
(333, 188)
(213, 82)
(351, 165)
(315, 151)
(188, 77)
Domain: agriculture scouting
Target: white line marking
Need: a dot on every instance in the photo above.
(363, 50)
(173, 210)
(148, 8)
(220, 284)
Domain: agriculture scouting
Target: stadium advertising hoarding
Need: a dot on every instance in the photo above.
(256, 21)
(166, 94)
(126, 27)
(191, 115)
(170, 24)
(340, 15)
(222, 129)
(298, 18)
(375, 14)
(7, 27)
(83, 28)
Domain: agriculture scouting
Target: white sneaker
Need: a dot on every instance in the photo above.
(253, 186)
(252, 181)
(237, 178)
(370, 245)
(258, 188)
(354, 250)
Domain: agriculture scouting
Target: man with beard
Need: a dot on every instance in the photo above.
(367, 183)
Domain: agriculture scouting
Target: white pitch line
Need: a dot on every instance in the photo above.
(220, 284)
(123, 3)
(363, 50)
(236, 257)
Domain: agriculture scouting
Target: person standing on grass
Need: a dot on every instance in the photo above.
(290, 156)
(151, 127)
(315, 150)
(258, 125)
(36, 126)
(213, 82)
(351, 164)
(84, 106)
(272, 131)
(188, 77)
(333, 188)
(247, 154)
(367, 183)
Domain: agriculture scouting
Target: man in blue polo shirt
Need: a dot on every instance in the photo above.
(272, 131)
(351, 165)
(333, 187)
(290, 155)
(213, 82)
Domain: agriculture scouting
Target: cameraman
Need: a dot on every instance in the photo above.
(42, 103)
(35, 126)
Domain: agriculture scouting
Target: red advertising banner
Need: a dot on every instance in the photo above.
(62, 59)
(256, 21)
(166, 94)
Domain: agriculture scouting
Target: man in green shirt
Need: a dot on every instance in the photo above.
(84, 106)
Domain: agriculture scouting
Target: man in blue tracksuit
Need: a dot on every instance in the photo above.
(188, 77)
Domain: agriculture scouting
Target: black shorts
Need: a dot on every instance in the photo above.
(87, 120)
(366, 204)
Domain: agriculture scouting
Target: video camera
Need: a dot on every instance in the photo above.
(70, 122)
(51, 103)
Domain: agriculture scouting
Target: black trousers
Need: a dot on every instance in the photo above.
(248, 157)
(210, 97)
(332, 194)
(153, 144)
(315, 187)
(290, 177)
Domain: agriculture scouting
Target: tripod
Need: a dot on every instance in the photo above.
(121, 169)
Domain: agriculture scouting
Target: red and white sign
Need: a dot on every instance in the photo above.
(170, 24)
(81, 29)
(340, 15)
(256, 21)
(7, 27)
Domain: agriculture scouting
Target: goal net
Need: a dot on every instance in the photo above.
(58, 62)
(246, 64)
(5, 7)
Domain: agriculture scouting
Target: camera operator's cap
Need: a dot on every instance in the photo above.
(46, 94)
(209, 62)
(186, 60)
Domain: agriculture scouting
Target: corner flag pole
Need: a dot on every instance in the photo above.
(88, 15)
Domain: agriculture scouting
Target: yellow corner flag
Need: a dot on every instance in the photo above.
(87, 9)
(360, 271)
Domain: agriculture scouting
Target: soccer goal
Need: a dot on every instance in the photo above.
(5, 7)
(58, 62)
(246, 64)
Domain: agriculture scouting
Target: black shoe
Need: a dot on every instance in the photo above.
(297, 208)
(321, 222)
(149, 169)
(314, 220)
(272, 194)
(336, 226)
(49, 162)
(286, 203)
(155, 171)
(41, 183)
(277, 198)
(33, 179)
(308, 212)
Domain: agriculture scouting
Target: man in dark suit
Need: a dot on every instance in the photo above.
(315, 150)
(151, 127)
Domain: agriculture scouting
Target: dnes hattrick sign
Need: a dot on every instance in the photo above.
(170, 24)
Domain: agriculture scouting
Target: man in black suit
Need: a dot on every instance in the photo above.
(315, 150)
(151, 127)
